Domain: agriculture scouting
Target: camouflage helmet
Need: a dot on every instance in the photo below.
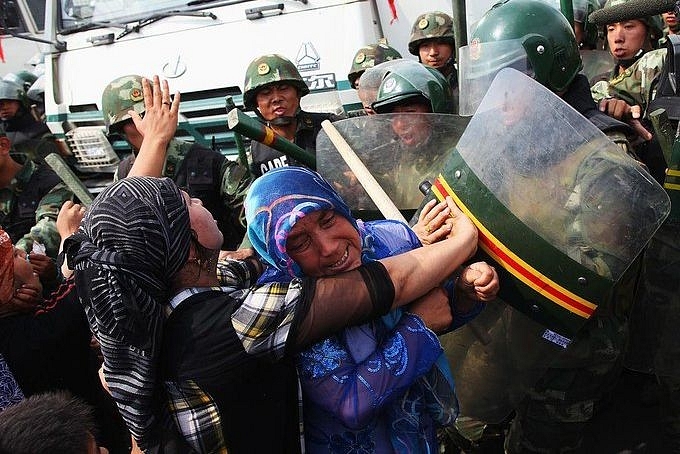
(121, 95)
(537, 30)
(620, 11)
(267, 70)
(432, 25)
(22, 78)
(409, 81)
(11, 90)
(368, 57)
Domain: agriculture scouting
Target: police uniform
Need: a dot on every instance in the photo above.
(264, 158)
(30, 205)
(221, 184)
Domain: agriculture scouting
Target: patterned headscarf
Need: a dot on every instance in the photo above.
(276, 201)
(6, 267)
(133, 240)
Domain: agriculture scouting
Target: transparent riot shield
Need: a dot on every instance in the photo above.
(561, 212)
(399, 150)
(597, 64)
(558, 205)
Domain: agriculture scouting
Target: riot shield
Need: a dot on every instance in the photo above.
(597, 64)
(558, 205)
(563, 212)
(399, 150)
(560, 210)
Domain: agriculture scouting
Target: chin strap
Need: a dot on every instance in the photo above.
(628, 62)
(282, 121)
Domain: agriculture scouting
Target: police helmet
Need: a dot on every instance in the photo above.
(531, 36)
(408, 81)
(22, 78)
(368, 57)
(121, 95)
(433, 25)
(11, 90)
(267, 70)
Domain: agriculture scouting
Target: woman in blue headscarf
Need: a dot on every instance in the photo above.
(381, 387)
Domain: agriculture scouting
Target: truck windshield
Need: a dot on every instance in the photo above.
(83, 14)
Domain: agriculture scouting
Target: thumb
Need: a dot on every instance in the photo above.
(640, 129)
(137, 120)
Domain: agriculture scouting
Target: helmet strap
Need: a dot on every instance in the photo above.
(626, 63)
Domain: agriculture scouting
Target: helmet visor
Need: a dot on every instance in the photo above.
(480, 62)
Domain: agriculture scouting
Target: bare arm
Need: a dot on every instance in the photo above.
(158, 127)
(412, 275)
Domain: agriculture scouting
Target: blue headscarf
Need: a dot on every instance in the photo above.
(281, 197)
(276, 201)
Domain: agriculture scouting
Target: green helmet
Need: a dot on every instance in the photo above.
(528, 35)
(409, 81)
(121, 95)
(368, 57)
(23, 78)
(11, 90)
(270, 69)
(432, 25)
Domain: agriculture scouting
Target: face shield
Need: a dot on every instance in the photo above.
(478, 64)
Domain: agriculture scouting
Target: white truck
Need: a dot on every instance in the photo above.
(203, 48)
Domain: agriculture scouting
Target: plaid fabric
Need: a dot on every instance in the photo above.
(263, 322)
(196, 416)
(236, 273)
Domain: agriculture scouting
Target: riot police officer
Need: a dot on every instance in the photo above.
(31, 138)
(630, 88)
(31, 196)
(410, 88)
(536, 38)
(433, 42)
(273, 88)
(365, 58)
(205, 174)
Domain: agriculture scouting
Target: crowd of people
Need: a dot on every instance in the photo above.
(202, 305)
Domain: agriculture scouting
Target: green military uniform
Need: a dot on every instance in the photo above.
(220, 183)
(29, 208)
(30, 138)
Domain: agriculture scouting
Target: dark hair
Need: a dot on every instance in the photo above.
(205, 258)
(55, 422)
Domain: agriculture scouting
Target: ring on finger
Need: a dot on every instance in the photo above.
(166, 103)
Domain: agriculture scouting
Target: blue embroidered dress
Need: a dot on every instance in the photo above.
(382, 387)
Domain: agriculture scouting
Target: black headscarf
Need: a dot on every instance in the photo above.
(133, 240)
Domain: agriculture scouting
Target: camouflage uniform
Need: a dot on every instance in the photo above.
(220, 183)
(30, 205)
(635, 84)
